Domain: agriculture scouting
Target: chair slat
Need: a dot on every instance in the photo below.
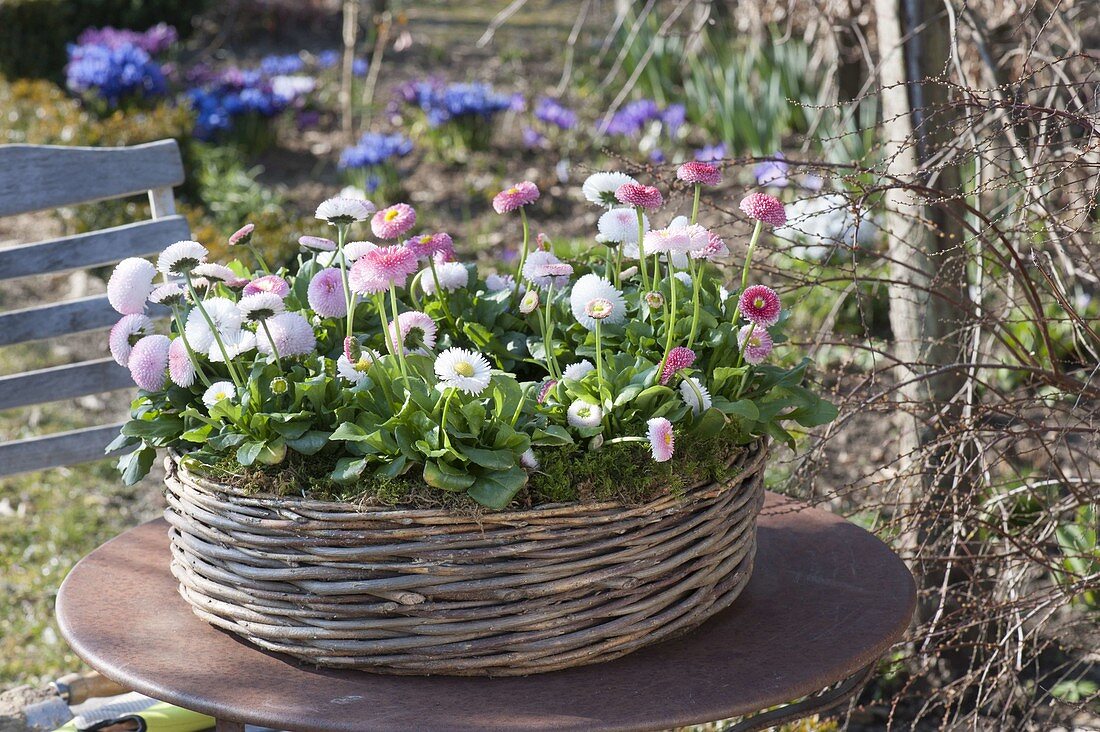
(40, 177)
(73, 316)
(93, 249)
(62, 382)
(50, 451)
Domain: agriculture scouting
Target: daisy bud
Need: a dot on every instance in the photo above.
(629, 272)
(654, 300)
(352, 349)
(544, 390)
(279, 385)
(317, 243)
(242, 236)
(599, 308)
(529, 303)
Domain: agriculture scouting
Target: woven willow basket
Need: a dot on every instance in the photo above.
(428, 592)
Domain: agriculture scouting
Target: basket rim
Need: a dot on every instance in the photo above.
(752, 456)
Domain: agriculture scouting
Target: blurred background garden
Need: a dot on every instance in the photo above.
(941, 185)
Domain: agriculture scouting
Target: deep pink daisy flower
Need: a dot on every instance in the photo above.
(762, 207)
(760, 305)
(756, 345)
(149, 362)
(130, 284)
(696, 172)
(679, 358)
(635, 194)
(393, 221)
(326, 294)
(181, 369)
(518, 195)
(414, 330)
(662, 442)
(379, 269)
(439, 246)
(268, 283)
(242, 235)
(127, 331)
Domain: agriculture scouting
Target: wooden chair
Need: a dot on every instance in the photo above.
(41, 177)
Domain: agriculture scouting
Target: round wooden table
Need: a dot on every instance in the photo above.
(825, 601)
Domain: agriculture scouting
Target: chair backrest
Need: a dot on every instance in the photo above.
(40, 177)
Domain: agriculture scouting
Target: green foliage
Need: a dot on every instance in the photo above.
(34, 33)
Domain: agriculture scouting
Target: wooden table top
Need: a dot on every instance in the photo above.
(826, 598)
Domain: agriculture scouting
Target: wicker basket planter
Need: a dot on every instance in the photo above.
(429, 592)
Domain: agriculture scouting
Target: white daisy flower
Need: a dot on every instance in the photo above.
(226, 317)
(695, 395)
(465, 370)
(125, 333)
(130, 284)
(576, 371)
(529, 460)
(342, 210)
(356, 373)
(592, 287)
(543, 269)
(599, 188)
(218, 391)
(582, 414)
(620, 226)
(684, 277)
(291, 333)
(213, 271)
(181, 257)
(497, 282)
(170, 294)
(452, 276)
(261, 306)
(235, 342)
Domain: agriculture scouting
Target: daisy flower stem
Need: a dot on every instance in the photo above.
(349, 296)
(444, 438)
(187, 346)
(695, 203)
(548, 334)
(274, 350)
(259, 259)
(214, 331)
(399, 341)
(741, 351)
(641, 248)
(619, 265)
(607, 266)
(696, 283)
(380, 304)
(670, 321)
(745, 270)
(439, 295)
(743, 384)
(522, 251)
(627, 438)
(599, 360)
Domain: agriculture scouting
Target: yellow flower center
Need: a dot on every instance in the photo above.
(758, 302)
(668, 439)
(464, 368)
(513, 190)
(363, 364)
(392, 214)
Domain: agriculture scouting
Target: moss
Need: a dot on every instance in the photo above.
(622, 472)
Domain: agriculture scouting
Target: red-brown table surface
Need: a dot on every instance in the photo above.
(826, 599)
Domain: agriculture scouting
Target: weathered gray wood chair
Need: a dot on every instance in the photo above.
(40, 177)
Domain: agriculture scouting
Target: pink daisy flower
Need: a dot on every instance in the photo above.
(268, 283)
(635, 194)
(317, 243)
(130, 285)
(127, 331)
(392, 222)
(415, 330)
(762, 207)
(760, 305)
(291, 335)
(518, 195)
(385, 267)
(699, 173)
(149, 362)
(242, 235)
(755, 346)
(713, 249)
(439, 246)
(662, 443)
(214, 271)
(181, 369)
(679, 358)
(326, 294)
